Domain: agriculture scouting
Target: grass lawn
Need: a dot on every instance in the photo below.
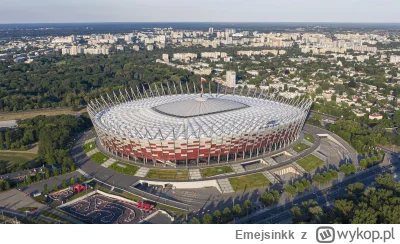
(16, 158)
(310, 162)
(300, 147)
(99, 158)
(129, 168)
(249, 181)
(208, 172)
(309, 137)
(164, 174)
(89, 147)
(80, 194)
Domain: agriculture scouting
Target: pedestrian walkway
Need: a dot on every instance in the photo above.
(319, 155)
(299, 168)
(269, 161)
(270, 177)
(142, 172)
(90, 140)
(292, 152)
(108, 163)
(194, 174)
(225, 186)
(307, 142)
(238, 168)
(90, 153)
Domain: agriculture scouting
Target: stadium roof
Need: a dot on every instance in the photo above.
(198, 106)
(170, 116)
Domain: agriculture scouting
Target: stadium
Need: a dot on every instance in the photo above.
(163, 128)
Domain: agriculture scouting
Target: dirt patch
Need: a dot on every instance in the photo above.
(34, 113)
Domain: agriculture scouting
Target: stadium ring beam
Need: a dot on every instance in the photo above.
(176, 127)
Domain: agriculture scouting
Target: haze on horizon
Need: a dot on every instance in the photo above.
(75, 11)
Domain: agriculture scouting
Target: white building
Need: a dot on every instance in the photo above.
(230, 78)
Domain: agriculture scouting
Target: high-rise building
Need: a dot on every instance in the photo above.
(210, 30)
(230, 78)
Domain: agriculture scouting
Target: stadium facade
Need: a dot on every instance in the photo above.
(179, 128)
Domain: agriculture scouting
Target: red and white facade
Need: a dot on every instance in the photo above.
(159, 127)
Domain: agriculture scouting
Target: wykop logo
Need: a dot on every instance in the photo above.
(325, 234)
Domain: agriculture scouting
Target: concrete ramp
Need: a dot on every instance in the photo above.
(225, 186)
(108, 163)
(270, 177)
(142, 172)
(194, 174)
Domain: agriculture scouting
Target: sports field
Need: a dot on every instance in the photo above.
(124, 168)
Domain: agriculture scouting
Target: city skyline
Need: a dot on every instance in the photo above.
(352, 11)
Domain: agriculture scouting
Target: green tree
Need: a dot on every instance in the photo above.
(81, 179)
(64, 184)
(216, 216)
(73, 181)
(7, 185)
(28, 179)
(267, 198)
(45, 190)
(290, 189)
(55, 187)
(363, 163)
(194, 220)
(226, 213)
(47, 174)
(237, 210)
(248, 206)
(207, 219)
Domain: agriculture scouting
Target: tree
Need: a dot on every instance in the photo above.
(207, 219)
(64, 184)
(47, 174)
(194, 220)
(226, 213)
(306, 183)
(237, 210)
(267, 198)
(216, 216)
(81, 178)
(55, 187)
(55, 172)
(73, 182)
(290, 189)
(7, 185)
(248, 206)
(363, 163)
(28, 179)
(45, 190)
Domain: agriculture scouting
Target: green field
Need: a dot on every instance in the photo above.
(164, 174)
(310, 162)
(129, 168)
(309, 137)
(15, 159)
(89, 147)
(208, 172)
(242, 183)
(300, 147)
(99, 158)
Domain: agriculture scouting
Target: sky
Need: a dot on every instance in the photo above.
(62, 11)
